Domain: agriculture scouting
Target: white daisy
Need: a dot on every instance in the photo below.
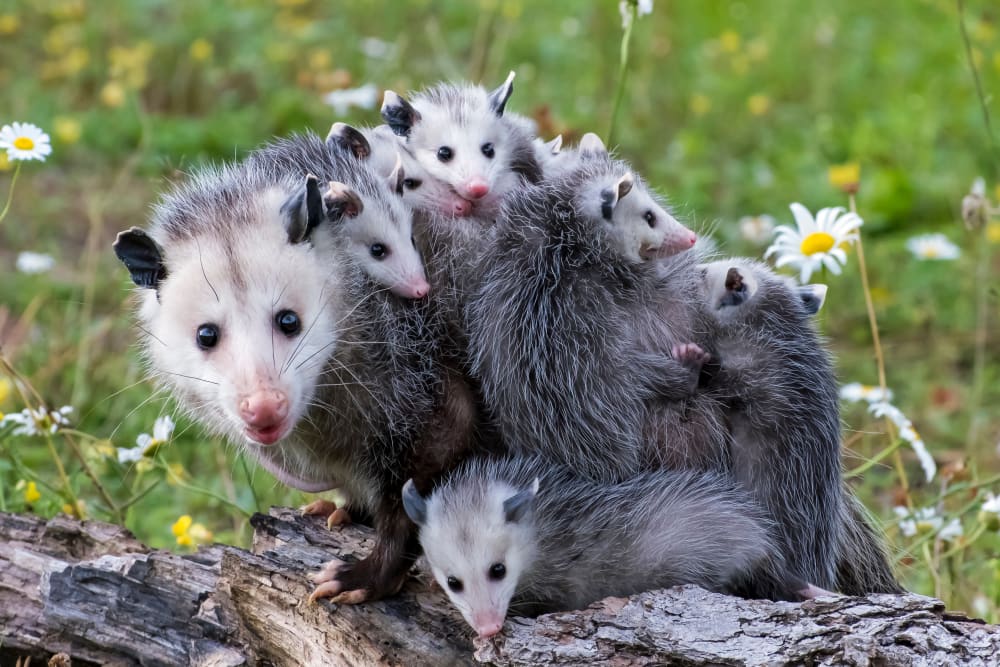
(910, 435)
(756, 229)
(365, 97)
(34, 262)
(927, 520)
(933, 246)
(37, 422)
(815, 242)
(163, 428)
(991, 504)
(855, 392)
(951, 530)
(24, 141)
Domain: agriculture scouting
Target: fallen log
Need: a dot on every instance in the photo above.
(92, 591)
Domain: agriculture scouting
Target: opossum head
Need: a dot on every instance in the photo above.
(392, 160)
(377, 229)
(736, 287)
(239, 309)
(479, 539)
(638, 225)
(462, 137)
(547, 153)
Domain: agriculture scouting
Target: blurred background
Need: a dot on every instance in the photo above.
(733, 110)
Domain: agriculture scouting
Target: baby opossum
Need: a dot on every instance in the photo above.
(538, 538)
(268, 333)
(552, 325)
(777, 381)
(463, 137)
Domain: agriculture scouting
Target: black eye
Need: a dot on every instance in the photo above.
(455, 584)
(498, 571)
(650, 218)
(378, 251)
(208, 336)
(487, 149)
(411, 183)
(445, 154)
(288, 322)
(413, 241)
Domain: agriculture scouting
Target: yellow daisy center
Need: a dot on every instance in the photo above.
(24, 144)
(930, 253)
(816, 242)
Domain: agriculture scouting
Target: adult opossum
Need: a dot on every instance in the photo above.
(538, 538)
(268, 331)
(777, 381)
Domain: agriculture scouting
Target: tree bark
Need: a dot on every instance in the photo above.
(92, 591)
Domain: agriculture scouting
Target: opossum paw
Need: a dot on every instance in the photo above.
(810, 592)
(691, 355)
(353, 583)
(335, 516)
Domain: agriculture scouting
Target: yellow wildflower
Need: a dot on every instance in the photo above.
(79, 512)
(66, 129)
(189, 533)
(320, 59)
(700, 104)
(175, 473)
(759, 104)
(730, 41)
(9, 23)
(113, 94)
(845, 177)
(993, 232)
(200, 534)
(201, 49)
(74, 61)
(31, 493)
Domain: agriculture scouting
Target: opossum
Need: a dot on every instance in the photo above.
(554, 323)
(777, 381)
(538, 538)
(463, 137)
(267, 332)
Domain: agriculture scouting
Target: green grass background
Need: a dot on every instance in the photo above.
(136, 93)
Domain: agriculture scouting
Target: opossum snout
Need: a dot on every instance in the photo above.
(416, 288)
(487, 624)
(475, 188)
(677, 242)
(264, 413)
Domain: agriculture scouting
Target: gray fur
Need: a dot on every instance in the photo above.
(581, 541)
(571, 340)
(777, 381)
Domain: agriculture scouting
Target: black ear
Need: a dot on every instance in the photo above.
(414, 504)
(610, 196)
(303, 210)
(141, 256)
(398, 114)
(517, 506)
(397, 176)
(344, 136)
(341, 201)
(813, 297)
(498, 98)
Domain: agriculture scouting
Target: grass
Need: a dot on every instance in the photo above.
(730, 108)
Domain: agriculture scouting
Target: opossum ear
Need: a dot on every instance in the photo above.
(610, 196)
(591, 143)
(344, 136)
(414, 504)
(398, 114)
(141, 256)
(555, 145)
(813, 297)
(341, 201)
(303, 211)
(517, 506)
(498, 98)
(737, 290)
(397, 176)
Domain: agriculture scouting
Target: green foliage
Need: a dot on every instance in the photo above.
(731, 108)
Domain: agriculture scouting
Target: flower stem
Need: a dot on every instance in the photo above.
(897, 460)
(10, 194)
(629, 20)
(95, 480)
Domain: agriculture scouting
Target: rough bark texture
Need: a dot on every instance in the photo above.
(93, 591)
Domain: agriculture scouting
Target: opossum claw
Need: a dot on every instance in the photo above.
(351, 597)
(319, 507)
(339, 517)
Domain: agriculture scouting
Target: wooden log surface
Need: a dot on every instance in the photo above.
(92, 591)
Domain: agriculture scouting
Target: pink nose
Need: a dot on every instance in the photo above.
(418, 289)
(461, 207)
(489, 629)
(693, 239)
(476, 188)
(264, 409)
